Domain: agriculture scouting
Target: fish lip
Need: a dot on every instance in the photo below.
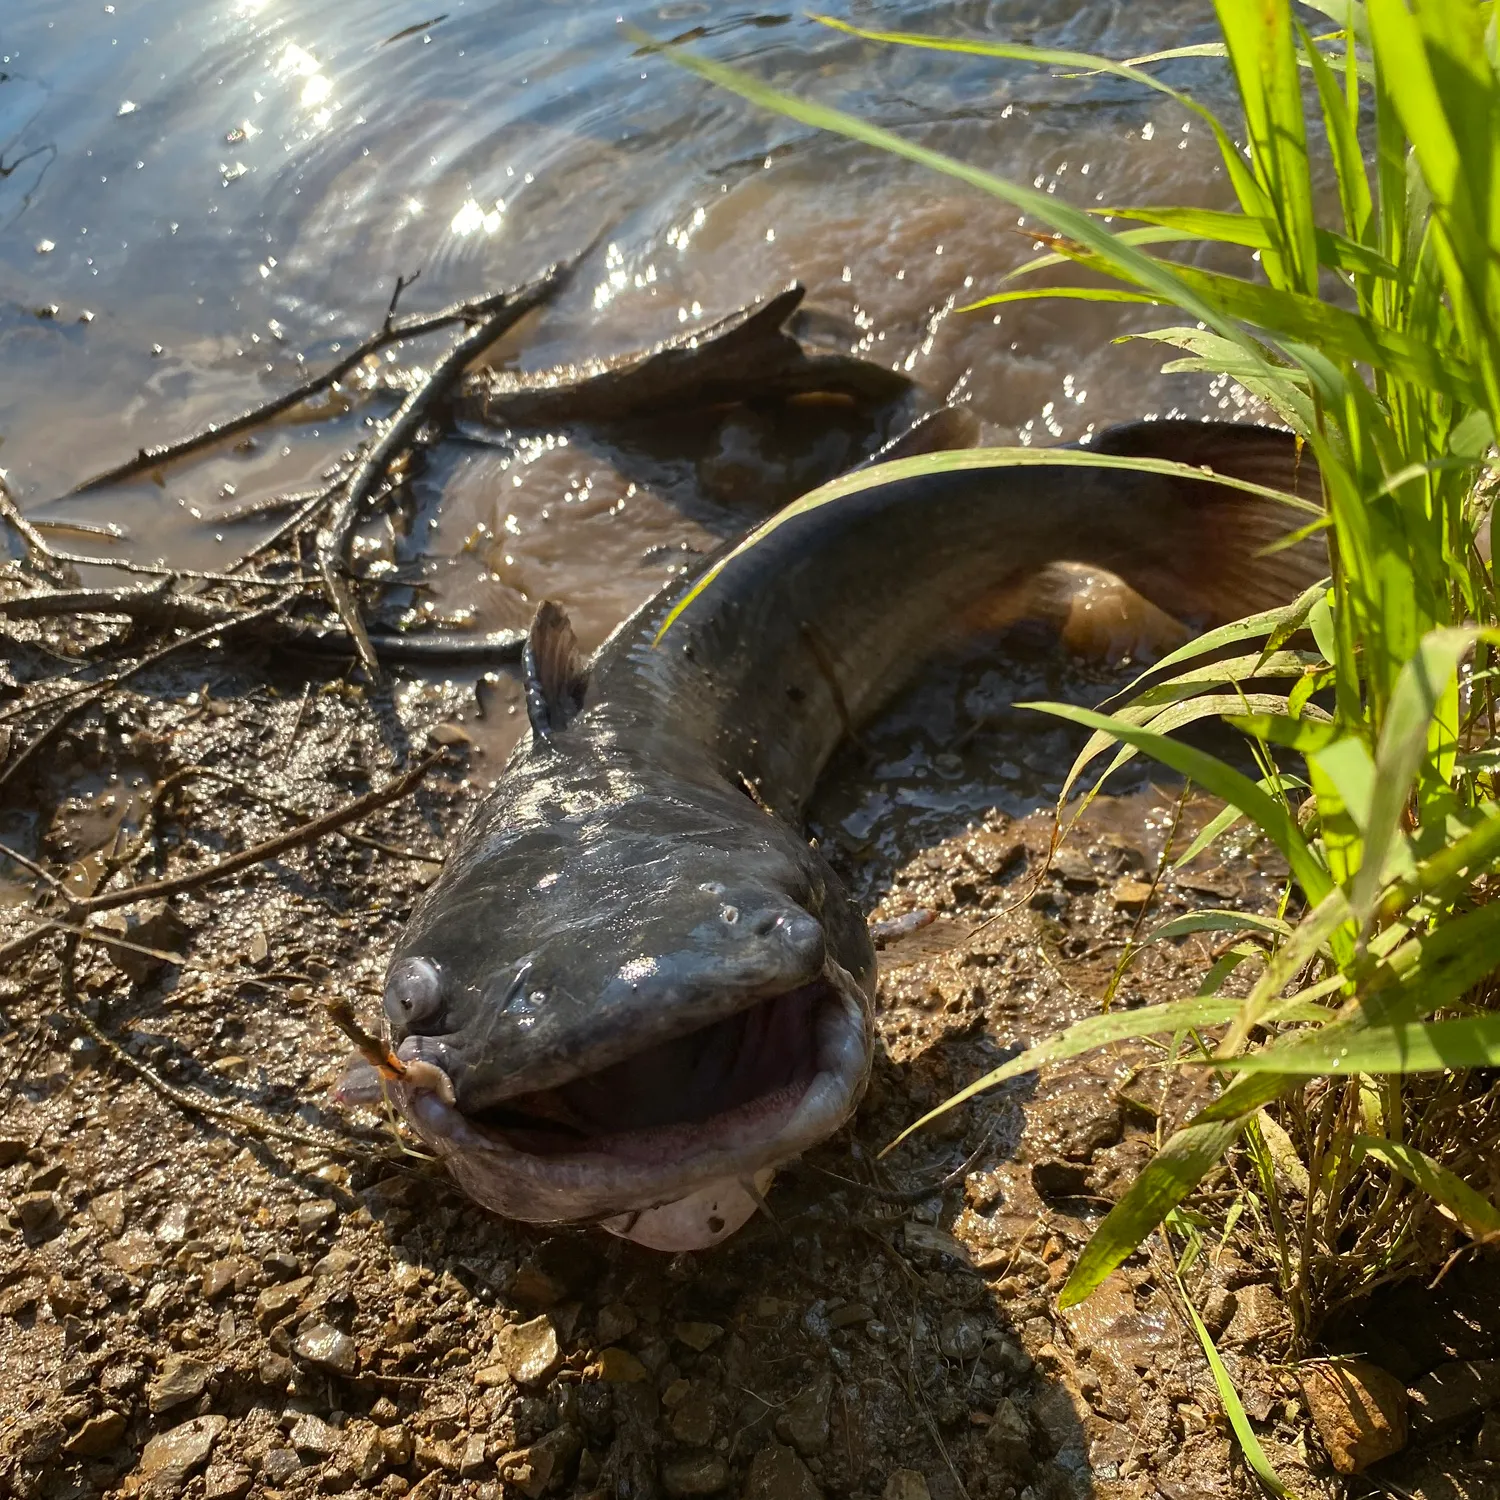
(592, 1185)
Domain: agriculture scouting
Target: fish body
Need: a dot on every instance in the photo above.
(642, 987)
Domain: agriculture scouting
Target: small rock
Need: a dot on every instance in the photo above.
(168, 1459)
(776, 1473)
(365, 1453)
(906, 1484)
(620, 1367)
(806, 1417)
(960, 1336)
(1059, 1411)
(1056, 1178)
(15, 1300)
(1008, 1437)
(1074, 870)
(277, 1303)
(12, 1149)
(434, 1453)
(698, 1474)
(471, 1463)
(223, 1274)
(1260, 1317)
(173, 1226)
(226, 1482)
(528, 1350)
(615, 1322)
(181, 1378)
(132, 1253)
(1453, 1394)
(44, 1179)
(532, 1470)
(1218, 1309)
(98, 1437)
(693, 1421)
(399, 1445)
(1359, 1410)
(531, 1284)
(280, 1266)
(275, 1371)
(699, 1336)
(311, 1217)
(336, 1263)
(312, 1437)
(278, 1465)
(327, 1348)
(38, 1212)
(1131, 895)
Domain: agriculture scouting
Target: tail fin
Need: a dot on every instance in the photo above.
(1209, 562)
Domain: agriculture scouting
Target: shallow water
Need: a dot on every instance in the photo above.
(196, 199)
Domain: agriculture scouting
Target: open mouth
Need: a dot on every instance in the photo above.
(752, 1064)
(719, 1105)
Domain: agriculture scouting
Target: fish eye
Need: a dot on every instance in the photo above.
(413, 992)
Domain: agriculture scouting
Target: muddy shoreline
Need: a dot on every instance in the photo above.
(190, 1305)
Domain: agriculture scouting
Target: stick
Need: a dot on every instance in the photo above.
(303, 833)
(333, 544)
(36, 544)
(155, 605)
(391, 332)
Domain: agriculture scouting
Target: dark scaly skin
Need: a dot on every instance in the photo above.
(639, 873)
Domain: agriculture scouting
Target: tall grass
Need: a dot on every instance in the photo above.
(1376, 336)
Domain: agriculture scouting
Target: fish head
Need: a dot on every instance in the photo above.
(631, 1005)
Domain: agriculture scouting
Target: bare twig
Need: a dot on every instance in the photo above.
(156, 604)
(333, 543)
(391, 332)
(36, 544)
(303, 833)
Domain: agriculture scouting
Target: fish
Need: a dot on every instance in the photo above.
(637, 988)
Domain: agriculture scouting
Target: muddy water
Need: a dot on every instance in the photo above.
(198, 202)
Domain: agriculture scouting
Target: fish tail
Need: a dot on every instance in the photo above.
(1213, 552)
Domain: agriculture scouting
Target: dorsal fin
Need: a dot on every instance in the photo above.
(556, 674)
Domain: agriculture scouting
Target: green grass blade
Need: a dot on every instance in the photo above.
(1215, 919)
(1234, 1408)
(1474, 1211)
(1099, 1031)
(1414, 1047)
(1220, 779)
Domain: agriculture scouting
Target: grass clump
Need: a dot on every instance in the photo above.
(1351, 1075)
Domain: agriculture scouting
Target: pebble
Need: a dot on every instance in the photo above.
(906, 1484)
(615, 1322)
(336, 1263)
(620, 1367)
(180, 1379)
(226, 1482)
(12, 1149)
(960, 1336)
(311, 1217)
(277, 1303)
(471, 1463)
(1260, 1316)
(108, 1212)
(38, 1211)
(311, 1435)
(170, 1457)
(776, 1473)
(173, 1226)
(327, 1348)
(693, 1421)
(233, 1271)
(1359, 1410)
(98, 1437)
(1131, 895)
(699, 1474)
(1008, 1436)
(806, 1417)
(698, 1336)
(528, 1350)
(279, 1465)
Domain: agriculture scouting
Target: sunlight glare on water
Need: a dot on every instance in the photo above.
(196, 200)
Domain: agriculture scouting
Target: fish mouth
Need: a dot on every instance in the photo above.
(680, 1135)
